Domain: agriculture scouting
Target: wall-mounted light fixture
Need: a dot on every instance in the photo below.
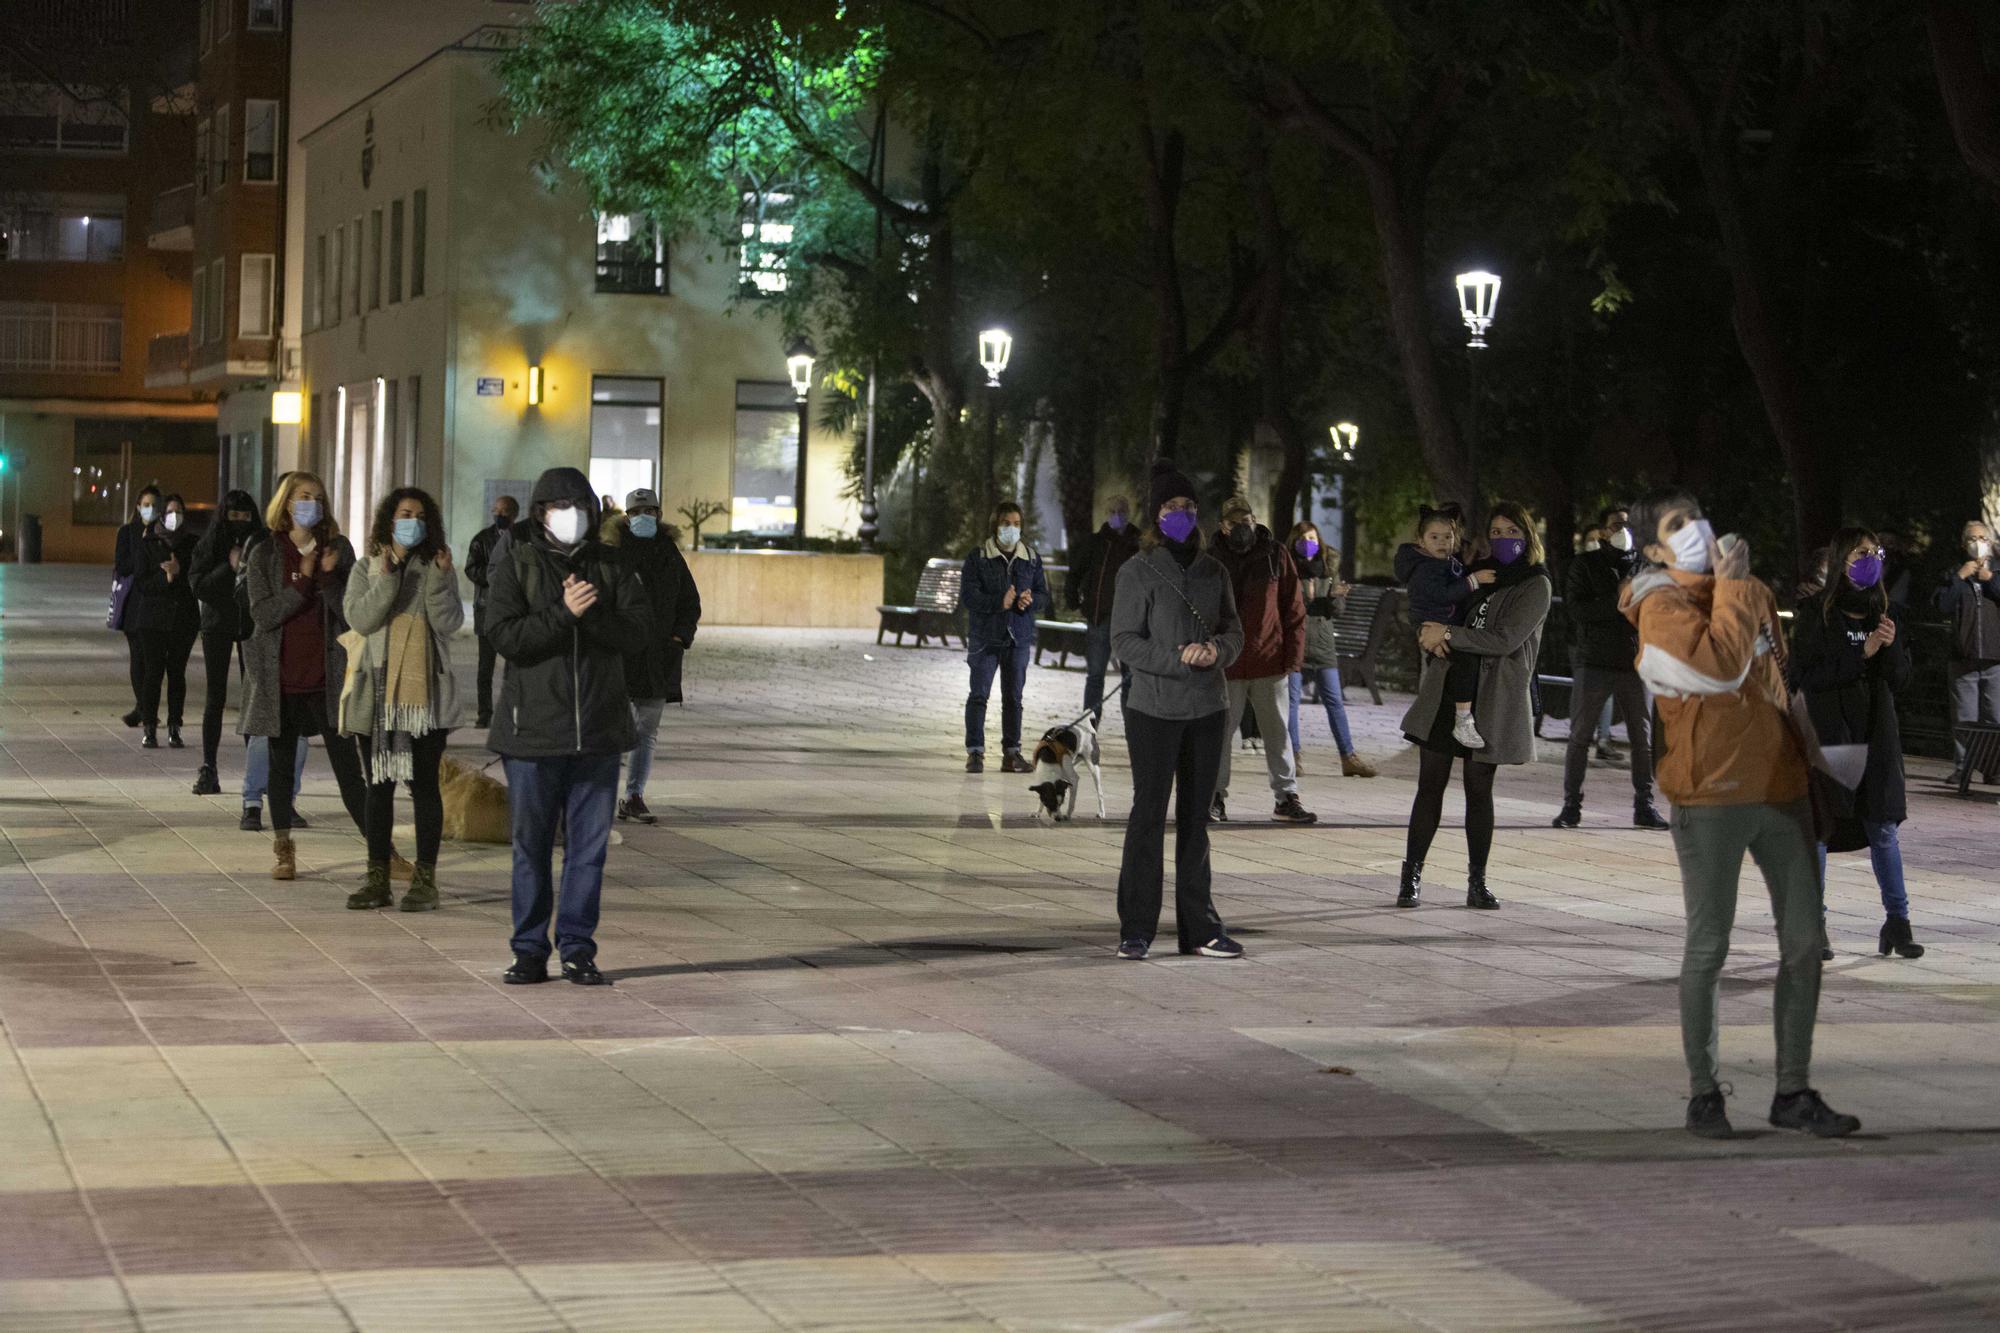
(534, 386)
(288, 407)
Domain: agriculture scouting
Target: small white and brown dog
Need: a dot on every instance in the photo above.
(1058, 754)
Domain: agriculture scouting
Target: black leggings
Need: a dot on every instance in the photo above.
(216, 650)
(1182, 760)
(135, 660)
(165, 653)
(425, 753)
(1433, 776)
(300, 716)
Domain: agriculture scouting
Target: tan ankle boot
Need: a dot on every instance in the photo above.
(287, 864)
(399, 869)
(1354, 766)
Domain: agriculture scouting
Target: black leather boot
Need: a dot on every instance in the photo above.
(1409, 892)
(1568, 817)
(1896, 936)
(150, 740)
(1476, 893)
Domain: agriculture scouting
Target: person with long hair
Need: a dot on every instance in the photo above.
(293, 661)
(1970, 596)
(1850, 661)
(217, 558)
(1002, 589)
(1174, 626)
(128, 563)
(1711, 652)
(1325, 596)
(1502, 632)
(401, 700)
(169, 619)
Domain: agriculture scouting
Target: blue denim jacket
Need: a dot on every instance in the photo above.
(989, 575)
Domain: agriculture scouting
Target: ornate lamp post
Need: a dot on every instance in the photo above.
(1478, 294)
(996, 345)
(799, 358)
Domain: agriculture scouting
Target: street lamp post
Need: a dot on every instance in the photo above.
(869, 529)
(1346, 440)
(996, 346)
(1478, 294)
(799, 368)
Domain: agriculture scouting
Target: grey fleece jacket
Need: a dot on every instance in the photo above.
(1151, 620)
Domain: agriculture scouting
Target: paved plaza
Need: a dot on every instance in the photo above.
(869, 1062)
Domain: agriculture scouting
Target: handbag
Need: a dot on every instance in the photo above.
(121, 593)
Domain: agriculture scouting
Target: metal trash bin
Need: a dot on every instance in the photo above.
(28, 541)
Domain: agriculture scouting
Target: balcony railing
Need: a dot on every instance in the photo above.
(167, 359)
(172, 225)
(61, 339)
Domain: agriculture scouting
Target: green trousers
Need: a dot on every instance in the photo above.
(1710, 842)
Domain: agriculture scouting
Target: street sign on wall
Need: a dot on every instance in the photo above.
(492, 386)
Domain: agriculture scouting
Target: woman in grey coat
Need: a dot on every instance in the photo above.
(1174, 626)
(401, 698)
(293, 662)
(1503, 629)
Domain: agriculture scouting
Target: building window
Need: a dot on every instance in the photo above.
(766, 228)
(337, 292)
(61, 338)
(41, 116)
(204, 140)
(198, 318)
(354, 249)
(631, 255)
(417, 230)
(625, 425)
(218, 323)
(111, 459)
(82, 231)
(375, 260)
(428, 477)
(253, 296)
(764, 493)
(318, 316)
(202, 22)
(260, 140)
(218, 150)
(266, 15)
(395, 252)
(222, 17)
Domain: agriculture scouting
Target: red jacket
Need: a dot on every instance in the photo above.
(1271, 604)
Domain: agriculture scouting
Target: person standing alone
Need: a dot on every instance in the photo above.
(652, 666)
(478, 566)
(1092, 588)
(1002, 589)
(1607, 645)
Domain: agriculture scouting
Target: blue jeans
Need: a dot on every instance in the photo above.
(646, 713)
(580, 791)
(1011, 662)
(1329, 696)
(1096, 661)
(1885, 852)
(257, 770)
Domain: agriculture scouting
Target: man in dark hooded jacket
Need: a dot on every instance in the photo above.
(653, 664)
(561, 608)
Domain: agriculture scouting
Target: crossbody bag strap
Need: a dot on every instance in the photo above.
(1200, 620)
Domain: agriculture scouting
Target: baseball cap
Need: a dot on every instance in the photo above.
(642, 498)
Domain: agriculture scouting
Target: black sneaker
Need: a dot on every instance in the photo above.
(485, 721)
(131, 719)
(1218, 812)
(1568, 817)
(975, 762)
(174, 741)
(1289, 811)
(1219, 947)
(206, 783)
(1808, 1112)
(1707, 1117)
(634, 807)
(583, 972)
(1645, 816)
(528, 970)
(253, 819)
(1015, 762)
(298, 820)
(1134, 950)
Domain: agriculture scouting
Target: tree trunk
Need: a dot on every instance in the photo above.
(1163, 161)
(1971, 101)
(1075, 429)
(1274, 410)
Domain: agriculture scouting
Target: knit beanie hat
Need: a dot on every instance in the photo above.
(1168, 483)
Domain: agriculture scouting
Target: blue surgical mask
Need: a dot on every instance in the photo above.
(305, 513)
(1009, 534)
(645, 525)
(146, 513)
(409, 532)
(1117, 522)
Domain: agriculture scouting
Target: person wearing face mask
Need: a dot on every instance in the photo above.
(1174, 625)
(257, 749)
(1970, 597)
(293, 662)
(1606, 646)
(1711, 651)
(169, 619)
(217, 558)
(127, 565)
(1325, 596)
(1002, 589)
(562, 609)
(1501, 635)
(1092, 587)
(1272, 611)
(652, 666)
(478, 565)
(400, 700)
(1849, 662)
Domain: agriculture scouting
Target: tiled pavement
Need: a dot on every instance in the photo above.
(869, 1064)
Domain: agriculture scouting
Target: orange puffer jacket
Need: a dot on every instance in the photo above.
(1712, 653)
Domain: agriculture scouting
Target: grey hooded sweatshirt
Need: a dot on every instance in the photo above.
(1158, 607)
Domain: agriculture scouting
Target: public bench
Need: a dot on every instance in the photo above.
(934, 613)
(1982, 751)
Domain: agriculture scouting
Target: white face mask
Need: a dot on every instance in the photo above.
(1979, 548)
(1621, 538)
(146, 513)
(172, 522)
(1592, 545)
(1009, 535)
(1690, 546)
(566, 525)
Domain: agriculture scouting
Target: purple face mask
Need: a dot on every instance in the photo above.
(1308, 548)
(1117, 522)
(1865, 571)
(1177, 525)
(1507, 550)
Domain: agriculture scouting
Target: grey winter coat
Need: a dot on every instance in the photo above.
(375, 596)
(1150, 621)
(271, 605)
(1506, 642)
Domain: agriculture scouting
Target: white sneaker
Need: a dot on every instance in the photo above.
(1465, 733)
